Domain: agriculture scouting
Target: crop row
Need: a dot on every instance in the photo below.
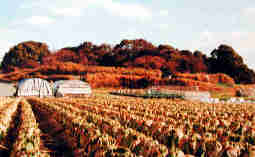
(82, 136)
(194, 128)
(139, 143)
(6, 116)
(28, 142)
(4, 101)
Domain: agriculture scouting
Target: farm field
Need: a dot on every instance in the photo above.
(109, 125)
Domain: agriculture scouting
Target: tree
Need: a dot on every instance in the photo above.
(227, 55)
(62, 55)
(24, 52)
(226, 60)
(165, 47)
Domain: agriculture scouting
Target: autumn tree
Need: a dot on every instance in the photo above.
(129, 50)
(62, 55)
(226, 60)
(26, 52)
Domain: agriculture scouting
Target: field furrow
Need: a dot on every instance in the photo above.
(28, 142)
(83, 137)
(51, 130)
(190, 127)
(104, 125)
(126, 137)
(156, 129)
(7, 117)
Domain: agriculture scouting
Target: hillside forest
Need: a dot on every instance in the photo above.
(135, 63)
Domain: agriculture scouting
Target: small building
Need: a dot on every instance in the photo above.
(34, 87)
(73, 88)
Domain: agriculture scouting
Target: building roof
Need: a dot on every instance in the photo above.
(63, 87)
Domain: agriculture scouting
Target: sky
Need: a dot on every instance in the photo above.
(184, 24)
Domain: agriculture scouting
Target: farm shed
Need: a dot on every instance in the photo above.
(7, 89)
(34, 87)
(71, 88)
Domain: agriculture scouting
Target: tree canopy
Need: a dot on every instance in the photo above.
(226, 60)
(132, 53)
(29, 53)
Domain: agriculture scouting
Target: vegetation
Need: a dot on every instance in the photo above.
(127, 54)
(226, 60)
(154, 94)
(25, 55)
(106, 125)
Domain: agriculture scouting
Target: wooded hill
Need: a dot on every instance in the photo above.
(128, 54)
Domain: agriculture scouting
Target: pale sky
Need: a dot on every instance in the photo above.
(193, 25)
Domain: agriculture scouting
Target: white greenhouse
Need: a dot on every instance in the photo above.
(34, 87)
